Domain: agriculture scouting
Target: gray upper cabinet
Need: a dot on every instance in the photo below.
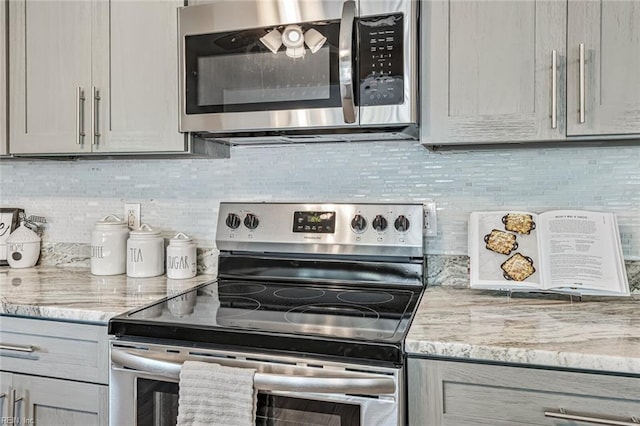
(93, 77)
(504, 71)
(609, 33)
(3, 78)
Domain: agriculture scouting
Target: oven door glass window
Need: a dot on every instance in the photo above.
(157, 405)
(276, 68)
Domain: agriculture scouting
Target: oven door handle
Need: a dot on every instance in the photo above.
(266, 381)
(345, 61)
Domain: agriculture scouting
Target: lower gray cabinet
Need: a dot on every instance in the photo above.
(44, 401)
(53, 373)
(466, 394)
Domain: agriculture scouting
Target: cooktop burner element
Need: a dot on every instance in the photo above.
(304, 279)
(363, 297)
(299, 293)
(353, 316)
(240, 288)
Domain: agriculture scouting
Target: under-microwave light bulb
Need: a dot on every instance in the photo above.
(292, 36)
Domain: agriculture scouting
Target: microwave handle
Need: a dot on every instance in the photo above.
(345, 61)
(266, 381)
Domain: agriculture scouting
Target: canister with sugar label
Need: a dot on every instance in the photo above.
(109, 246)
(181, 257)
(145, 253)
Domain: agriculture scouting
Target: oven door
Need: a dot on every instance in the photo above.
(144, 386)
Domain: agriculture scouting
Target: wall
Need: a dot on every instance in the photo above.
(183, 195)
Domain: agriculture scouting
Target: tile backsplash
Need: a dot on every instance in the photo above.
(182, 195)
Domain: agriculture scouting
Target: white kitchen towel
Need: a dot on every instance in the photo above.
(214, 395)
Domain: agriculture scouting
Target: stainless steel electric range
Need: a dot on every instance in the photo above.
(317, 298)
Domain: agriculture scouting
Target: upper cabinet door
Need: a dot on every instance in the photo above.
(50, 76)
(605, 83)
(136, 75)
(488, 71)
(3, 78)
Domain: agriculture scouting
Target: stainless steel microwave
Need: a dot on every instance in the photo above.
(299, 69)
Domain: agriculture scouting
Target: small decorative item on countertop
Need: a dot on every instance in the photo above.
(23, 246)
(109, 246)
(181, 257)
(9, 221)
(145, 253)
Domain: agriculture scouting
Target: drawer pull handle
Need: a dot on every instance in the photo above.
(18, 348)
(587, 419)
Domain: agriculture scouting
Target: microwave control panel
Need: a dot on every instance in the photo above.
(381, 60)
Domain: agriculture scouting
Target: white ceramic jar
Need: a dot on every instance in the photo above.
(181, 257)
(23, 248)
(145, 253)
(109, 246)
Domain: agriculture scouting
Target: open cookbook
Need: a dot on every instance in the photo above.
(568, 251)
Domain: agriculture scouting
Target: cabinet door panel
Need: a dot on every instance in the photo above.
(139, 93)
(3, 78)
(50, 59)
(610, 32)
(61, 402)
(489, 73)
(5, 388)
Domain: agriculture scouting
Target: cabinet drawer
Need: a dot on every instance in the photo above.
(460, 394)
(54, 349)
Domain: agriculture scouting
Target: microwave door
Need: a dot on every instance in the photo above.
(271, 78)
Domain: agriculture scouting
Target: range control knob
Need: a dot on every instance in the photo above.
(233, 221)
(379, 223)
(402, 223)
(251, 221)
(358, 223)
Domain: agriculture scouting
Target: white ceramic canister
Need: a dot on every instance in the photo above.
(181, 257)
(109, 246)
(145, 253)
(23, 248)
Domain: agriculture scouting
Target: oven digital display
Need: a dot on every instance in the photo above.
(314, 222)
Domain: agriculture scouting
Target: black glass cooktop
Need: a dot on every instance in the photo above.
(351, 321)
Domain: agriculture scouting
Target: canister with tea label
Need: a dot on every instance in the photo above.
(145, 253)
(181, 257)
(109, 246)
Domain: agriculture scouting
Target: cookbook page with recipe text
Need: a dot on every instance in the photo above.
(582, 252)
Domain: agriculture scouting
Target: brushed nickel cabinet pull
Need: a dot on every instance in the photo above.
(588, 419)
(95, 133)
(79, 116)
(19, 348)
(14, 400)
(10, 411)
(581, 72)
(554, 89)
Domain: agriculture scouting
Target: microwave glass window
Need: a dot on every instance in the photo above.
(283, 67)
(263, 77)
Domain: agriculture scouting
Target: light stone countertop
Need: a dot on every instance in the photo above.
(545, 330)
(600, 334)
(74, 294)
